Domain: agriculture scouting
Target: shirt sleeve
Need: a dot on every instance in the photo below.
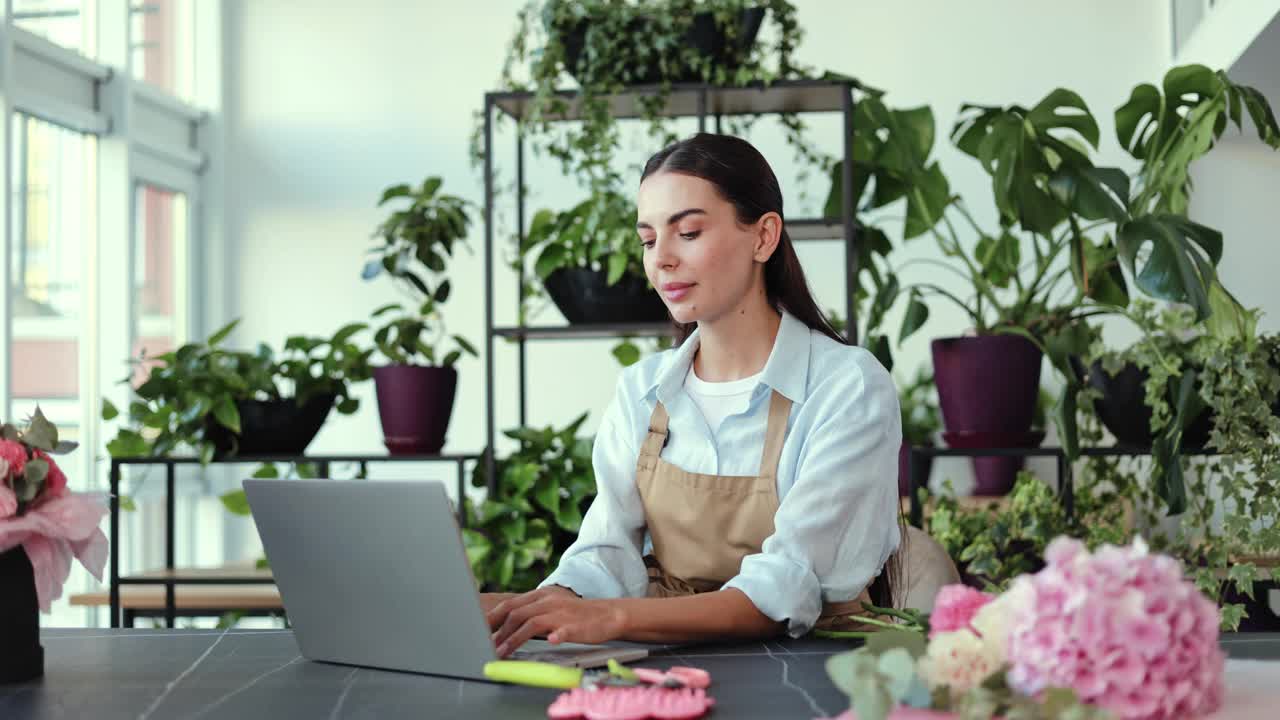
(838, 524)
(605, 560)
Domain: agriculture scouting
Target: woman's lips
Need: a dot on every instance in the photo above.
(676, 291)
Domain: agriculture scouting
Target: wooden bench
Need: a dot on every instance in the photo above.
(192, 600)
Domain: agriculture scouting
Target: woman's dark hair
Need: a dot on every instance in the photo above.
(743, 178)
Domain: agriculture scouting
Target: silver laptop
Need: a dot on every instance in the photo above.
(374, 573)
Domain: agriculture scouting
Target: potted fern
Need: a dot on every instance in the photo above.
(417, 385)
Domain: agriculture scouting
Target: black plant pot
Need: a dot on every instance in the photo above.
(584, 297)
(1123, 408)
(22, 658)
(704, 36)
(272, 427)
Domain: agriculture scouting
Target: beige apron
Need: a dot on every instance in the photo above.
(702, 526)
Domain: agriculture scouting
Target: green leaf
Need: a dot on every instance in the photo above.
(227, 414)
(221, 334)
(885, 640)
(1097, 274)
(266, 470)
(442, 292)
(1064, 416)
(346, 332)
(927, 200)
(842, 668)
(128, 443)
(34, 473)
(451, 358)
(1180, 266)
(236, 502)
(41, 433)
(915, 316)
(1232, 614)
(1242, 575)
(387, 308)
(430, 186)
(395, 191)
(346, 406)
(617, 266)
(1228, 320)
(1138, 119)
(109, 411)
(998, 257)
(1064, 109)
(552, 257)
(466, 346)
(627, 353)
(1092, 192)
(126, 503)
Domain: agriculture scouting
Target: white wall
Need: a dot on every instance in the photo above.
(327, 105)
(1236, 187)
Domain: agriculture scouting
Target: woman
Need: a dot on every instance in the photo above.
(747, 479)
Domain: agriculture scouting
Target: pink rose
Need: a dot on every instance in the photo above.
(8, 501)
(14, 455)
(955, 607)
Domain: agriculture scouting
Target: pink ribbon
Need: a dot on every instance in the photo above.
(54, 531)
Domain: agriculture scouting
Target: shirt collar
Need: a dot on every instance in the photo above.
(786, 371)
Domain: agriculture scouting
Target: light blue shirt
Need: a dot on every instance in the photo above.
(837, 478)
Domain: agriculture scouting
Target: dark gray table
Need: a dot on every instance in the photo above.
(247, 674)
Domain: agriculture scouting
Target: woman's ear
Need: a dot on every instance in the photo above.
(768, 235)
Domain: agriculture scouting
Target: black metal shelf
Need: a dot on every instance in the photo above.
(170, 578)
(698, 99)
(708, 103)
(1066, 485)
(585, 332)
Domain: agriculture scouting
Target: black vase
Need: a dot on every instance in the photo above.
(703, 35)
(22, 658)
(585, 297)
(272, 427)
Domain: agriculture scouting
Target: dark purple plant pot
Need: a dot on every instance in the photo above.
(415, 404)
(22, 657)
(987, 390)
(271, 427)
(904, 474)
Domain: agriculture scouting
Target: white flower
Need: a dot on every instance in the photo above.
(959, 660)
(992, 622)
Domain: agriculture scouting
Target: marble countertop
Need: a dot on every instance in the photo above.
(245, 675)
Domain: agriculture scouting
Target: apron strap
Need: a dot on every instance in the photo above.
(775, 432)
(657, 437)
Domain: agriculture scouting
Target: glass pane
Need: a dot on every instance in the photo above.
(68, 23)
(53, 173)
(159, 287)
(162, 43)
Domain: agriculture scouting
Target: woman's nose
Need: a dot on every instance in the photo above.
(663, 253)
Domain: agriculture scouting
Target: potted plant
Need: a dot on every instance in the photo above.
(515, 537)
(590, 263)
(1069, 234)
(608, 46)
(416, 387)
(222, 403)
(43, 525)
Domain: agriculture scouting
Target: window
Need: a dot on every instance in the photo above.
(53, 226)
(159, 262)
(68, 23)
(162, 38)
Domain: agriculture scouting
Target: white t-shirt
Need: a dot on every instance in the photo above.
(719, 400)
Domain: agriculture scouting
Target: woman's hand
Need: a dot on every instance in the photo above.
(557, 613)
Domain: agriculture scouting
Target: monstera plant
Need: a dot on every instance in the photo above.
(1073, 237)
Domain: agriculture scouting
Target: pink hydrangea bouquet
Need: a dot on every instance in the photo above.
(41, 515)
(1114, 633)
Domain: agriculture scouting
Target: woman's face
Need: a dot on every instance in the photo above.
(702, 262)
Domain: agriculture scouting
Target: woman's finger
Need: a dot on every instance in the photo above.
(498, 613)
(533, 626)
(518, 617)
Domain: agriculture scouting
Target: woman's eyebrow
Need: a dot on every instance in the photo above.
(674, 218)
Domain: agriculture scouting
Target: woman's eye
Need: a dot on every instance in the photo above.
(691, 235)
(647, 242)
